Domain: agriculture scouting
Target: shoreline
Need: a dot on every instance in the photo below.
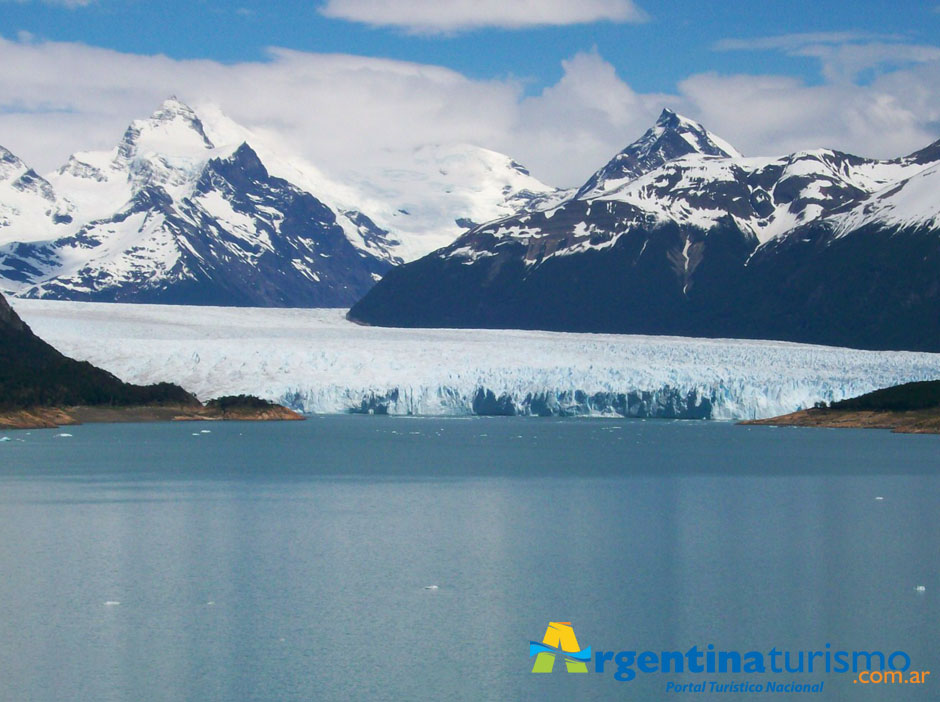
(54, 417)
(907, 422)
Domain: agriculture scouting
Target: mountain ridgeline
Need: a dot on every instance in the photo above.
(187, 211)
(679, 234)
(170, 217)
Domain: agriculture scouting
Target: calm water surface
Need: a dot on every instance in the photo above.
(289, 561)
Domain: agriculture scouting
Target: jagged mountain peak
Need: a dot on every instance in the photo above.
(173, 108)
(673, 120)
(29, 204)
(10, 165)
(193, 207)
(174, 129)
(671, 137)
(247, 157)
(169, 217)
(240, 166)
(7, 156)
(703, 141)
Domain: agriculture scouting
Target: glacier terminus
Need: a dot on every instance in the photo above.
(317, 362)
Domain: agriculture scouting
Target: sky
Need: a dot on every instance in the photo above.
(558, 85)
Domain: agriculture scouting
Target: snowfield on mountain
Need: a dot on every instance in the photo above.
(680, 234)
(187, 211)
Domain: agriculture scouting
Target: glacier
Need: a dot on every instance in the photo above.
(317, 362)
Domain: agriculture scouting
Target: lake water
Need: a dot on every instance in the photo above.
(289, 561)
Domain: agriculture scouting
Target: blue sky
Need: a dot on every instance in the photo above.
(561, 96)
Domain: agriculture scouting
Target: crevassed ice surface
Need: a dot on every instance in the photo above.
(315, 361)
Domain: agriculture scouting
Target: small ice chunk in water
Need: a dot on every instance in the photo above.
(879, 498)
(430, 587)
(64, 436)
(111, 603)
(206, 431)
(4, 439)
(920, 588)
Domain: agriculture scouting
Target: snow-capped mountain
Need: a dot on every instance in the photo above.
(680, 234)
(28, 202)
(672, 137)
(184, 210)
(913, 202)
(426, 196)
(867, 273)
(169, 216)
(431, 195)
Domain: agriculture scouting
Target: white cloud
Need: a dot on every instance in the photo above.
(342, 112)
(775, 115)
(58, 97)
(576, 125)
(437, 16)
(845, 62)
(789, 42)
(843, 56)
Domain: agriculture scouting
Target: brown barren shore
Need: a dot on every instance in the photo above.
(910, 422)
(52, 417)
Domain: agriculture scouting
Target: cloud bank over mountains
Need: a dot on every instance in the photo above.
(877, 96)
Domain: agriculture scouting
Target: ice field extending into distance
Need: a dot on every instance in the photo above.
(315, 361)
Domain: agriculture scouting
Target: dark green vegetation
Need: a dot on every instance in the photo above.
(900, 398)
(239, 402)
(34, 374)
(912, 408)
